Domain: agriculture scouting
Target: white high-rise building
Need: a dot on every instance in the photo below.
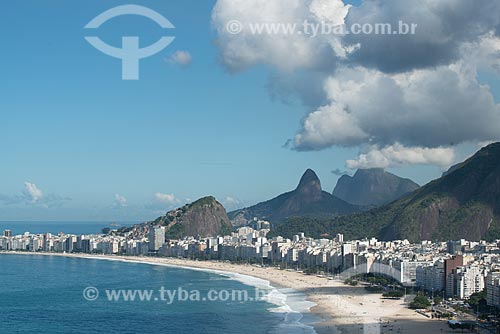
(156, 238)
(493, 289)
(431, 277)
(464, 281)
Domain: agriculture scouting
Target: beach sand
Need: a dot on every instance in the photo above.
(341, 308)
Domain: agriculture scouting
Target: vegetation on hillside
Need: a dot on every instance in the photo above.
(175, 232)
(465, 203)
(353, 227)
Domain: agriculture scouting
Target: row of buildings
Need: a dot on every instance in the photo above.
(448, 269)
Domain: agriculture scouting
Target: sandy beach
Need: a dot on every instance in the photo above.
(341, 308)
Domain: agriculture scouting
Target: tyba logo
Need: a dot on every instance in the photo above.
(130, 53)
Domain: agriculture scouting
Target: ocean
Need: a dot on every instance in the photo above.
(45, 294)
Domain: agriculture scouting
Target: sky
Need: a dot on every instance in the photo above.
(238, 116)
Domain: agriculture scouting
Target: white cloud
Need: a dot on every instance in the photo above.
(33, 196)
(329, 11)
(483, 54)
(231, 203)
(120, 201)
(483, 144)
(329, 124)
(182, 58)
(422, 108)
(420, 92)
(397, 155)
(168, 199)
(32, 192)
(443, 28)
(287, 51)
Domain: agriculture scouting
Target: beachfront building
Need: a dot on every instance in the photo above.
(431, 276)
(156, 238)
(401, 267)
(108, 247)
(70, 244)
(462, 282)
(427, 265)
(408, 270)
(4, 243)
(493, 289)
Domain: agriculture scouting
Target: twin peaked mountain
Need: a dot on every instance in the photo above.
(207, 217)
(367, 188)
(463, 203)
(308, 199)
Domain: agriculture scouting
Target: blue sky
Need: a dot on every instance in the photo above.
(99, 148)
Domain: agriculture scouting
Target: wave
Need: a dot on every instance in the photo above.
(291, 305)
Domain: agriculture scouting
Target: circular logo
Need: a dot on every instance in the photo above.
(91, 294)
(234, 27)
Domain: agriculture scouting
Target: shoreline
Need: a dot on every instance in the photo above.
(337, 307)
(290, 313)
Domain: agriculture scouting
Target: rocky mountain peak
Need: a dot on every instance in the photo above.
(372, 187)
(309, 184)
(306, 200)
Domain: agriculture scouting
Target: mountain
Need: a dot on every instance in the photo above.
(205, 217)
(452, 169)
(373, 187)
(465, 203)
(308, 199)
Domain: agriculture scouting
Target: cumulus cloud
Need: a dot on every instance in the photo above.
(168, 199)
(120, 201)
(397, 155)
(305, 87)
(428, 108)
(483, 54)
(283, 50)
(483, 144)
(162, 201)
(442, 28)
(32, 195)
(407, 97)
(32, 192)
(182, 58)
(327, 126)
(231, 203)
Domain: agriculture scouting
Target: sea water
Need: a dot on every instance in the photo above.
(44, 294)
